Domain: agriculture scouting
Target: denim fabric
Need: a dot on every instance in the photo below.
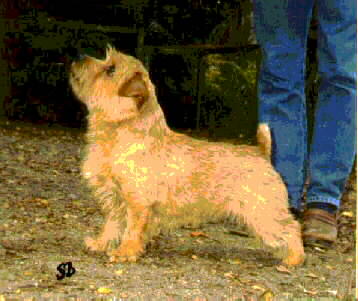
(281, 30)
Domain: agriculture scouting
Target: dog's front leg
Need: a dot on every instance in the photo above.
(132, 244)
(111, 231)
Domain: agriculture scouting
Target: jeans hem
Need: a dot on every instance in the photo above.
(331, 201)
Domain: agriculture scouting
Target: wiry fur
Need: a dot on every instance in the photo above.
(149, 178)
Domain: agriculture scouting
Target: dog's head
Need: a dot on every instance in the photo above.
(117, 87)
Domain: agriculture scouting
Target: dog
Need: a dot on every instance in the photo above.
(149, 178)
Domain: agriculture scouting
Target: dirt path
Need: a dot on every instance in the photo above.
(46, 211)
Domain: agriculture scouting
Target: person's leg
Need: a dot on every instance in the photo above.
(281, 30)
(334, 136)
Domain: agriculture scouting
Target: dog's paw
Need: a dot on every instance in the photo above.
(294, 258)
(95, 245)
(128, 251)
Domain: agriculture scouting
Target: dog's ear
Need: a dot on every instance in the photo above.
(135, 87)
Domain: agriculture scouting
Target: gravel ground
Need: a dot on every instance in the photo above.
(46, 211)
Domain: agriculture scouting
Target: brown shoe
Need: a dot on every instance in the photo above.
(319, 228)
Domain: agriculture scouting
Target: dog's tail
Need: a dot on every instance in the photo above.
(264, 140)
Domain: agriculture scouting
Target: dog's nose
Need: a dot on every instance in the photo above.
(80, 57)
(77, 55)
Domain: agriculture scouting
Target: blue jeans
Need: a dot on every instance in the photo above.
(281, 30)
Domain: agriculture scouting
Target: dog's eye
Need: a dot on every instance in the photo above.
(110, 70)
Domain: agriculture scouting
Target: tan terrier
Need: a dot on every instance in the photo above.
(149, 178)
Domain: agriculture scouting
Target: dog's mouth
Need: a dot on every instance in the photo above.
(74, 77)
(76, 70)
